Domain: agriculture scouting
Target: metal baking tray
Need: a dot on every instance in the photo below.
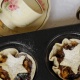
(38, 44)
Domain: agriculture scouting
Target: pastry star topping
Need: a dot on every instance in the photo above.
(15, 65)
(72, 58)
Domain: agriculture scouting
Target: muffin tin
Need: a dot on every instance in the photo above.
(38, 44)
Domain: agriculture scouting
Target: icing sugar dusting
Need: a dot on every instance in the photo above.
(72, 58)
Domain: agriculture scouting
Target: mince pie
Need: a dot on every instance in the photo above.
(66, 59)
(16, 66)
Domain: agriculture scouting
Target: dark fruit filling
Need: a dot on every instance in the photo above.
(4, 74)
(28, 66)
(66, 72)
(3, 58)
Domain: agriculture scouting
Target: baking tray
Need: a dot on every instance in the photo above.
(38, 44)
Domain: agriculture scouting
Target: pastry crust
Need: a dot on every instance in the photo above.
(54, 50)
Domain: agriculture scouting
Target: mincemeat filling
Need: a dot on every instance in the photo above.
(27, 63)
(4, 74)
